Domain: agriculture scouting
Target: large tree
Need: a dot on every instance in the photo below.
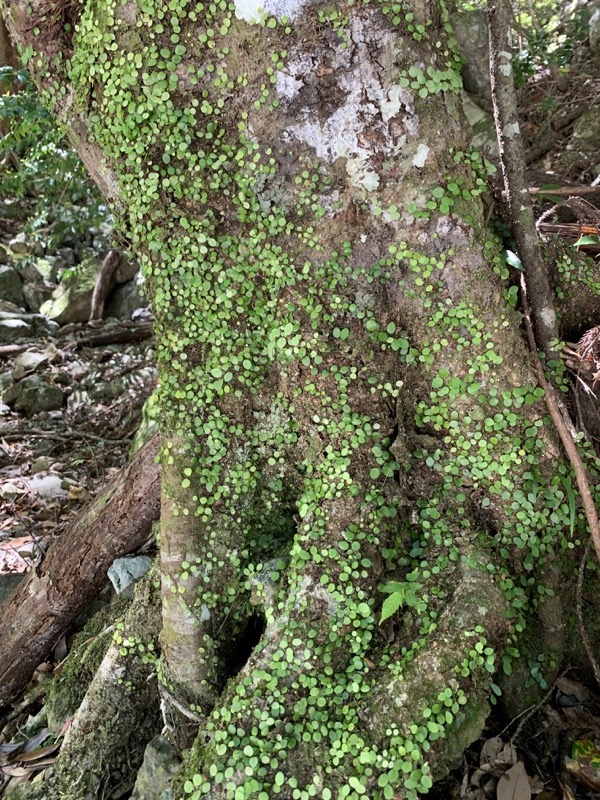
(347, 400)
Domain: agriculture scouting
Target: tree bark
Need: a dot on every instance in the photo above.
(51, 597)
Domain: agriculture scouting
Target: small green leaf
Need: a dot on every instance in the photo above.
(572, 504)
(390, 605)
(587, 240)
(513, 260)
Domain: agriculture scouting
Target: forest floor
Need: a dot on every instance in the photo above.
(53, 462)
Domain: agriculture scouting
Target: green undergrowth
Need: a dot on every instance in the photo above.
(42, 179)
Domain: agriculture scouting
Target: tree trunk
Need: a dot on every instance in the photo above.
(346, 396)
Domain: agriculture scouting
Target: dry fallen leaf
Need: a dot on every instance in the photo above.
(584, 765)
(38, 755)
(36, 741)
(514, 784)
(11, 561)
(78, 493)
(574, 688)
(15, 772)
(10, 489)
(491, 750)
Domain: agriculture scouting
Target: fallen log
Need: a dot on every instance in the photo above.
(121, 335)
(51, 597)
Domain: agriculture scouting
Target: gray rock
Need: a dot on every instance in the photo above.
(24, 244)
(62, 378)
(586, 131)
(471, 32)
(29, 272)
(48, 268)
(66, 255)
(161, 763)
(36, 294)
(32, 395)
(72, 299)
(6, 379)
(483, 125)
(10, 307)
(19, 245)
(12, 327)
(126, 299)
(41, 464)
(15, 326)
(124, 573)
(30, 360)
(106, 391)
(11, 285)
(4, 254)
(37, 247)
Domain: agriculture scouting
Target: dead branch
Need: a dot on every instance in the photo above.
(510, 143)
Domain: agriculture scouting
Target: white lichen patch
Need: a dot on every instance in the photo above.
(363, 114)
(357, 167)
(322, 594)
(548, 316)
(420, 157)
(397, 99)
(287, 85)
(253, 10)
(506, 67)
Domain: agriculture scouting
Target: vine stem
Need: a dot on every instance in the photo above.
(560, 424)
(579, 609)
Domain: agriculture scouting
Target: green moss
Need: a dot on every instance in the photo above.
(68, 688)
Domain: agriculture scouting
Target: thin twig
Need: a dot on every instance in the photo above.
(529, 712)
(561, 426)
(181, 707)
(578, 607)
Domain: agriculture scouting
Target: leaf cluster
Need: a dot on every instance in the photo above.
(39, 171)
(401, 593)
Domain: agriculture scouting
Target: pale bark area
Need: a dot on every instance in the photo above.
(346, 396)
(50, 598)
